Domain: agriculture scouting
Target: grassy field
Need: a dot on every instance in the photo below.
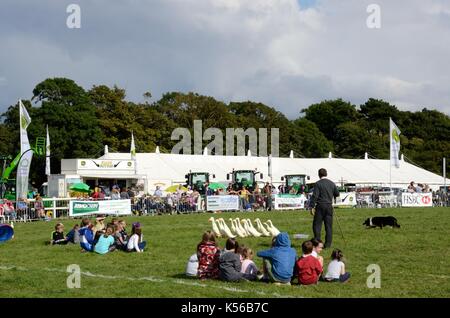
(414, 260)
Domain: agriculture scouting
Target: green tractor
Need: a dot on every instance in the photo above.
(241, 178)
(197, 180)
(7, 184)
(296, 182)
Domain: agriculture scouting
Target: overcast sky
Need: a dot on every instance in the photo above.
(285, 53)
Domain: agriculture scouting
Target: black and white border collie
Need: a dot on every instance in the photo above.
(381, 221)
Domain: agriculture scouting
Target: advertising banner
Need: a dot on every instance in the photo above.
(222, 203)
(116, 207)
(289, 201)
(346, 199)
(417, 199)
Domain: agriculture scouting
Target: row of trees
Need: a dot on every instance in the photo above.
(81, 122)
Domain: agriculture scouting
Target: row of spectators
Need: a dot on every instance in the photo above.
(418, 188)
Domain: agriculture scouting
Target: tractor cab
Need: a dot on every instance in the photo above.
(295, 182)
(244, 178)
(197, 180)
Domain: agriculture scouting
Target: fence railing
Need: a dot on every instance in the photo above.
(49, 208)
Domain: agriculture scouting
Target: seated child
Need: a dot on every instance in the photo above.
(192, 266)
(248, 268)
(87, 235)
(105, 242)
(308, 267)
(74, 236)
(230, 262)
(123, 230)
(58, 235)
(99, 225)
(336, 268)
(119, 241)
(279, 261)
(208, 256)
(317, 249)
(136, 242)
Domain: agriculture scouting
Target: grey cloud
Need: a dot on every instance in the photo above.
(268, 50)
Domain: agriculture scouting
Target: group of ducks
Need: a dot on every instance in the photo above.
(243, 228)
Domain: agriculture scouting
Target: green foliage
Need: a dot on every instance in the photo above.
(329, 114)
(81, 122)
(310, 140)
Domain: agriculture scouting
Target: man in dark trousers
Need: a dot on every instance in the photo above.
(325, 191)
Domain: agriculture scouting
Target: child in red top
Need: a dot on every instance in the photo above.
(308, 267)
(208, 256)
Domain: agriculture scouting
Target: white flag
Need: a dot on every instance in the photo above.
(394, 133)
(23, 168)
(47, 154)
(133, 148)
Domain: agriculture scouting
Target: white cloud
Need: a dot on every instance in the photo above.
(264, 50)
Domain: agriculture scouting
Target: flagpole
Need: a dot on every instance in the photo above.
(390, 176)
(390, 155)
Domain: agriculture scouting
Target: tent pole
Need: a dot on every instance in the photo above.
(444, 173)
(390, 176)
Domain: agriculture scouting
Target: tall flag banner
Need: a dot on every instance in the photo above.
(133, 148)
(395, 143)
(47, 155)
(23, 169)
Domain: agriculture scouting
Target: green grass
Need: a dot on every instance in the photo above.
(414, 260)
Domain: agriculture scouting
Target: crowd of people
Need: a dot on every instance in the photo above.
(281, 265)
(186, 200)
(101, 238)
(418, 188)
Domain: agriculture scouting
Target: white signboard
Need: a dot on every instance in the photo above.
(346, 199)
(222, 202)
(94, 164)
(417, 199)
(116, 207)
(289, 202)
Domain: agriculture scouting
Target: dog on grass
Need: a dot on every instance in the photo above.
(381, 221)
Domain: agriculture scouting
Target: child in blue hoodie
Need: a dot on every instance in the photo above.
(279, 261)
(87, 236)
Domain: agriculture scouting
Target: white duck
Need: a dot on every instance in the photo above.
(221, 228)
(246, 227)
(215, 228)
(233, 226)
(226, 229)
(237, 230)
(252, 230)
(241, 228)
(271, 228)
(261, 228)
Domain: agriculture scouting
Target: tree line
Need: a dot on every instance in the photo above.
(82, 121)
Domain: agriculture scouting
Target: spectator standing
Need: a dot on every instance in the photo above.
(124, 194)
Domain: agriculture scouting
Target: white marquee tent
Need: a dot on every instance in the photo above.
(167, 169)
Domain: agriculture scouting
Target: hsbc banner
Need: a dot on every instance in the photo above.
(417, 199)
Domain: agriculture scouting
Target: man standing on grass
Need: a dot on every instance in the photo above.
(325, 191)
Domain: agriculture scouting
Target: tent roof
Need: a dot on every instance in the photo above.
(361, 171)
